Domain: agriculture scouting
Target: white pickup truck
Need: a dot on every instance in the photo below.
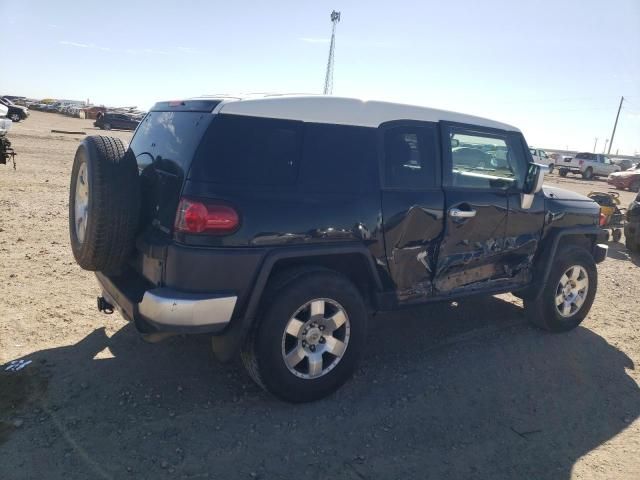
(588, 165)
(541, 157)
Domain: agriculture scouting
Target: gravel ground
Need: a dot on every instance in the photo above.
(461, 390)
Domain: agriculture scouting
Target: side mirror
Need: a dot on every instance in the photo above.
(532, 184)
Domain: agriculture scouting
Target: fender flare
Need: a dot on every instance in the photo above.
(551, 245)
(227, 344)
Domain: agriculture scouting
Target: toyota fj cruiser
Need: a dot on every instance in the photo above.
(279, 224)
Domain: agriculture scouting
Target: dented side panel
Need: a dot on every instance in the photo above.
(413, 226)
(472, 249)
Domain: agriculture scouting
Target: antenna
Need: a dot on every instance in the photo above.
(328, 79)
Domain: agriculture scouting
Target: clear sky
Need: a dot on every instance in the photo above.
(554, 68)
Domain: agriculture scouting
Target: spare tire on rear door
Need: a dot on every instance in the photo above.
(104, 204)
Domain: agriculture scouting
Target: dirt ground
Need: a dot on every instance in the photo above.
(466, 390)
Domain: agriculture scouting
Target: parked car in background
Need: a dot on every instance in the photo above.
(623, 163)
(626, 179)
(589, 165)
(116, 120)
(16, 112)
(541, 157)
(632, 227)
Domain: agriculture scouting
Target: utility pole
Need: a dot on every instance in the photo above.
(328, 79)
(595, 145)
(615, 125)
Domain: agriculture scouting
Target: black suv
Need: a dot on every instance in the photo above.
(279, 224)
(119, 121)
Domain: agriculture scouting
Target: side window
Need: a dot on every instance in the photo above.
(339, 158)
(543, 154)
(532, 151)
(249, 151)
(410, 157)
(485, 160)
(607, 160)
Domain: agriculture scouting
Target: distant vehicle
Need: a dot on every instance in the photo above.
(632, 227)
(540, 156)
(116, 120)
(623, 163)
(16, 112)
(627, 179)
(589, 165)
(6, 152)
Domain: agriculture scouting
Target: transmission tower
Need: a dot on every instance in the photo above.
(328, 79)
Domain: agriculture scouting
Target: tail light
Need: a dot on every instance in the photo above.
(194, 216)
(603, 219)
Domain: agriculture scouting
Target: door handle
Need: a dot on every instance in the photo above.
(457, 213)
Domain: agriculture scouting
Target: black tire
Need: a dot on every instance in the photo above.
(563, 172)
(15, 117)
(616, 234)
(541, 309)
(113, 205)
(551, 167)
(635, 186)
(631, 245)
(106, 126)
(588, 174)
(263, 352)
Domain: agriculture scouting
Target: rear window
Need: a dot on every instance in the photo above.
(169, 138)
(585, 156)
(240, 150)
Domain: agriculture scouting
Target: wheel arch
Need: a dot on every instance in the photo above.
(353, 261)
(586, 237)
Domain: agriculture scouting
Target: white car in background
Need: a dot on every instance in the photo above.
(541, 157)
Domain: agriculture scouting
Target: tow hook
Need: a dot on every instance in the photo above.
(104, 306)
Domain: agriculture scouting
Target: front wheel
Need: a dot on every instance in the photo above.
(551, 167)
(587, 174)
(307, 343)
(563, 172)
(15, 117)
(567, 296)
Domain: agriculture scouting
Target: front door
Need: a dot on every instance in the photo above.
(481, 169)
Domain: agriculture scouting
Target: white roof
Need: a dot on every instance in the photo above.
(344, 111)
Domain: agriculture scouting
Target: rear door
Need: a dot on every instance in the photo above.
(412, 205)
(164, 146)
(478, 176)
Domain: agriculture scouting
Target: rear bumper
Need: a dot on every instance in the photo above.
(165, 309)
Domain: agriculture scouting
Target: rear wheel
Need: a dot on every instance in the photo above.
(588, 174)
(551, 167)
(307, 343)
(566, 298)
(635, 186)
(106, 126)
(563, 172)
